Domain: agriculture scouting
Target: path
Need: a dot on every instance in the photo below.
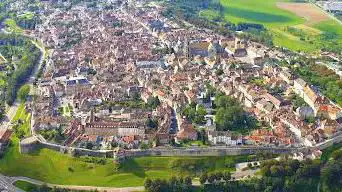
(9, 115)
(76, 187)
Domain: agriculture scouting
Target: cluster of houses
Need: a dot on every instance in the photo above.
(105, 65)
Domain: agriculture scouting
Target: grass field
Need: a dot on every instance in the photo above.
(52, 167)
(20, 113)
(25, 186)
(258, 11)
(277, 15)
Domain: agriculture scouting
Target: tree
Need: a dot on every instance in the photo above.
(188, 181)
(23, 92)
(143, 146)
(199, 114)
(332, 175)
(89, 145)
(151, 123)
(203, 178)
(231, 116)
(219, 176)
(147, 183)
(226, 176)
(153, 102)
(211, 177)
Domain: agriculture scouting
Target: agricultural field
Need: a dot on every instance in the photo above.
(53, 167)
(297, 26)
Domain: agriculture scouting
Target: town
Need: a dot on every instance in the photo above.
(135, 79)
(193, 95)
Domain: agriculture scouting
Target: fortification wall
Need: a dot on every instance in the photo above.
(26, 147)
(328, 143)
(209, 151)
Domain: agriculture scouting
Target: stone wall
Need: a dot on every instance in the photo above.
(210, 151)
(35, 143)
(31, 144)
(330, 142)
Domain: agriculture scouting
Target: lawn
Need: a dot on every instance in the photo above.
(20, 113)
(25, 186)
(53, 167)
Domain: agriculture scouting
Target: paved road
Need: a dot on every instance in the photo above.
(6, 184)
(9, 115)
(75, 187)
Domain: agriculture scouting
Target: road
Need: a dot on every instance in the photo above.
(9, 115)
(75, 187)
(6, 184)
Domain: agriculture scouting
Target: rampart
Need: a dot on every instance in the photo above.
(34, 143)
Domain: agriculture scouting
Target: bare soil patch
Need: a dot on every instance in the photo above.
(309, 12)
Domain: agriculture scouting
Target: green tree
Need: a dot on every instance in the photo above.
(23, 92)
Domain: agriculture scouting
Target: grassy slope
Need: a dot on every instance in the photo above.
(26, 186)
(52, 167)
(258, 11)
(326, 155)
(275, 19)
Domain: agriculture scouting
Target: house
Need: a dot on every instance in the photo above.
(329, 112)
(187, 132)
(299, 85)
(286, 76)
(104, 127)
(275, 101)
(220, 137)
(5, 134)
(163, 138)
(241, 52)
(134, 90)
(76, 84)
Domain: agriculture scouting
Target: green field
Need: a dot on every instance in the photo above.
(258, 11)
(277, 20)
(26, 186)
(53, 167)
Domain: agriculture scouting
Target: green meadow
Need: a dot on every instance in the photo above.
(258, 11)
(306, 38)
(56, 168)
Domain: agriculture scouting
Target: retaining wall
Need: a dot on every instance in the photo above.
(209, 151)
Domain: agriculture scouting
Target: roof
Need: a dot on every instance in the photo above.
(5, 134)
(311, 94)
(300, 82)
(203, 45)
(187, 131)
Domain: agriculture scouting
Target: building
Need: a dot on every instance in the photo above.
(5, 134)
(187, 132)
(220, 137)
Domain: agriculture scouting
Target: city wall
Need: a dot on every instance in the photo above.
(35, 144)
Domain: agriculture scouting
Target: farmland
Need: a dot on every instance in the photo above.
(297, 26)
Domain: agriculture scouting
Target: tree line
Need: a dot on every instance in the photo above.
(27, 57)
(172, 185)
